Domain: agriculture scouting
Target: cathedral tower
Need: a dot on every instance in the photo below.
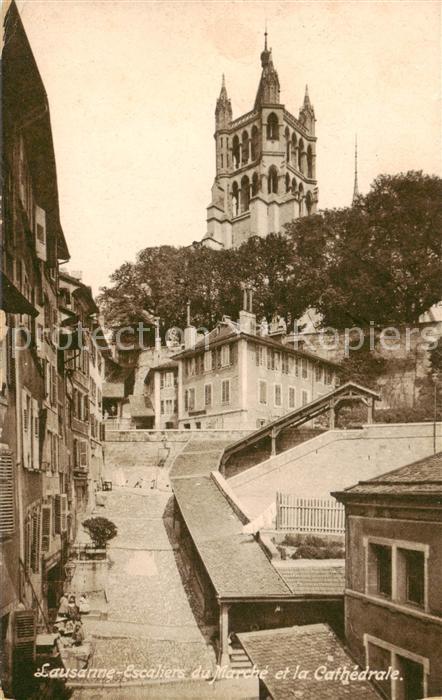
(265, 164)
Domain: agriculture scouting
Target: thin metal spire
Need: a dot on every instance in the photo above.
(356, 187)
(265, 36)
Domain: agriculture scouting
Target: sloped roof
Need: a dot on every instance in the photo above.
(420, 478)
(235, 562)
(314, 580)
(308, 647)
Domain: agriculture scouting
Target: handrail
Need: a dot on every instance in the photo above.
(34, 595)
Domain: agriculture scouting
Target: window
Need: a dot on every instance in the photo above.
(278, 395)
(292, 397)
(272, 127)
(379, 570)
(207, 361)
(304, 366)
(261, 356)
(285, 363)
(277, 361)
(168, 379)
(225, 356)
(318, 373)
(189, 399)
(262, 392)
(225, 391)
(411, 683)
(411, 576)
(328, 376)
(207, 394)
(162, 406)
(304, 397)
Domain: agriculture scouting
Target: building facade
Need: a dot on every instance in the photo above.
(393, 598)
(237, 377)
(265, 165)
(38, 503)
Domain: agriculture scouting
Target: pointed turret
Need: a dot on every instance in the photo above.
(268, 89)
(223, 111)
(355, 186)
(307, 113)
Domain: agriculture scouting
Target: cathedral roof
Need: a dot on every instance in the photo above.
(268, 88)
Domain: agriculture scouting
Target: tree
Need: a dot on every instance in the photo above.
(101, 530)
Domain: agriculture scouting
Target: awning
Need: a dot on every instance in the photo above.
(113, 390)
(13, 301)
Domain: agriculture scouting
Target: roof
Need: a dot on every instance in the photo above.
(422, 478)
(229, 331)
(170, 365)
(234, 561)
(26, 108)
(309, 647)
(113, 390)
(140, 406)
(314, 580)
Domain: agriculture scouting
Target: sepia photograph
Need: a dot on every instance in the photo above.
(221, 350)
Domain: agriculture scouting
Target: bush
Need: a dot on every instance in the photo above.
(101, 530)
(306, 551)
(293, 540)
(315, 541)
(282, 552)
(334, 552)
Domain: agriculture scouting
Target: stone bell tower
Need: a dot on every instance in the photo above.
(265, 164)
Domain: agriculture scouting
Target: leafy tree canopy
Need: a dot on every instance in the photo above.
(379, 261)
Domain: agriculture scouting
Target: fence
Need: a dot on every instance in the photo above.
(323, 516)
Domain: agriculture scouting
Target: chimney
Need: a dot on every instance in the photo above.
(247, 319)
(189, 332)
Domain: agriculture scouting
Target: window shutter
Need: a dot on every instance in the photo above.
(35, 542)
(35, 435)
(83, 454)
(257, 349)
(10, 356)
(24, 631)
(6, 492)
(45, 528)
(64, 512)
(57, 514)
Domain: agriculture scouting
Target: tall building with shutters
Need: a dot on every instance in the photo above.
(39, 459)
(265, 164)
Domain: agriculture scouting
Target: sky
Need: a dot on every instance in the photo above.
(132, 87)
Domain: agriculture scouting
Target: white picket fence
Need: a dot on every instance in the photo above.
(315, 515)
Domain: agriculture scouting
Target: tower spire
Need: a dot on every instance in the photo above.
(268, 89)
(356, 187)
(223, 111)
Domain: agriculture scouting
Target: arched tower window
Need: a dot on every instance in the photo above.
(287, 182)
(272, 180)
(309, 202)
(294, 186)
(309, 162)
(254, 143)
(236, 155)
(294, 148)
(245, 194)
(272, 127)
(287, 144)
(245, 147)
(301, 199)
(301, 156)
(235, 199)
(255, 184)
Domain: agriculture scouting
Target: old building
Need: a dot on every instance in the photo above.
(265, 165)
(238, 375)
(37, 497)
(393, 597)
(162, 395)
(82, 365)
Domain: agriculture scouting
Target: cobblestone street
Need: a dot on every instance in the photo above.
(150, 620)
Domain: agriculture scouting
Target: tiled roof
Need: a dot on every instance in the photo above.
(315, 580)
(235, 562)
(308, 647)
(423, 477)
